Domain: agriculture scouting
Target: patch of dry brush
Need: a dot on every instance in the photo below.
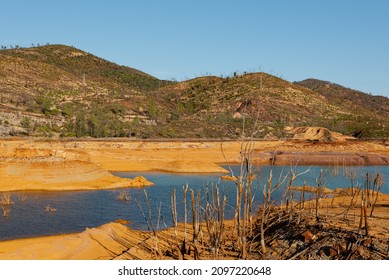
(341, 224)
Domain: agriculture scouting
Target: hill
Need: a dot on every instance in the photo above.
(370, 112)
(269, 105)
(57, 90)
(60, 90)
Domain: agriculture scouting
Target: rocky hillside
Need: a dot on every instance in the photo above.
(370, 113)
(57, 90)
(269, 107)
(60, 90)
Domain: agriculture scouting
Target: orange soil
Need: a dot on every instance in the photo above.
(92, 244)
(28, 163)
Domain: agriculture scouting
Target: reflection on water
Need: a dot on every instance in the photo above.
(77, 210)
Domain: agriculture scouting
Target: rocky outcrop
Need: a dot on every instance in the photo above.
(316, 134)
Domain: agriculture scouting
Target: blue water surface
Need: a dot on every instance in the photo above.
(77, 210)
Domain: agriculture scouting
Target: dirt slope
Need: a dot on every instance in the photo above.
(317, 134)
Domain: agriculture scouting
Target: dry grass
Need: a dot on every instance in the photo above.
(287, 236)
(123, 196)
(348, 224)
(5, 203)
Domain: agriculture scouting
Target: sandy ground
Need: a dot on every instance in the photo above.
(101, 243)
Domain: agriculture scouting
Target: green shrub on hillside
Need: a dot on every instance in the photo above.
(153, 109)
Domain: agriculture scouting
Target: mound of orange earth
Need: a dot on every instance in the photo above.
(101, 243)
(316, 134)
(125, 155)
(59, 174)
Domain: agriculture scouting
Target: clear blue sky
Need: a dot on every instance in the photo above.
(342, 41)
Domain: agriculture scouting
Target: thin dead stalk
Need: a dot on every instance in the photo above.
(363, 217)
(149, 222)
(377, 184)
(173, 203)
(214, 219)
(196, 204)
(5, 203)
(183, 247)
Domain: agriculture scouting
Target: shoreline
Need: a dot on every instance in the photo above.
(322, 158)
(82, 164)
(115, 241)
(35, 164)
(90, 244)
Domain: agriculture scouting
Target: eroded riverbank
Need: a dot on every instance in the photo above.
(45, 164)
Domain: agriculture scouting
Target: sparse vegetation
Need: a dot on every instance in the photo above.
(296, 228)
(5, 203)
(26, 123)
(123, 196)
(62, 83)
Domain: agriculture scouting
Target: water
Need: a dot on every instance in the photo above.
(77, 210)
